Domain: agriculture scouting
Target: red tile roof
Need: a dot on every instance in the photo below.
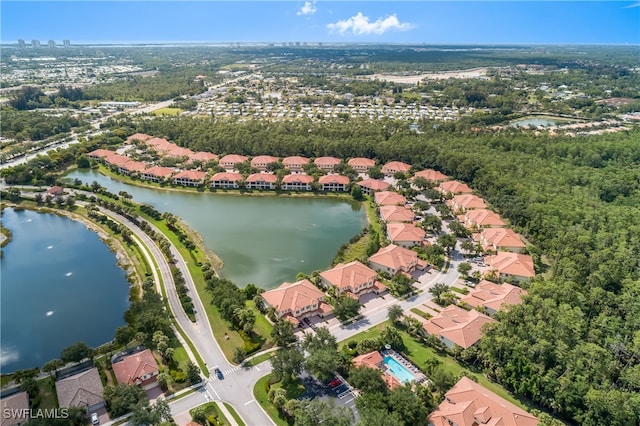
(494, 296)
(497, 238)
(203, 156)
(133, 368)
(374, 184)
(233, 159)
(226, 176)
(133, 166)
(361, 162)
(519, 265)
(395, 257)
(396, 214)
(295, 160)
(389, 198)
(455, 187)
(470, 404)
(349, 276)
(101, 153)
(297, 178)
(431, 175)
(395, 166)
(369, 360)
(333, 179)
(193, 175)
(263, 159)
(405, 232)
(262, 177)
(464, 328)
(326, 161)
(293, 296)
(466, 202)
(482, 218)
(117, 159)
(158, 171)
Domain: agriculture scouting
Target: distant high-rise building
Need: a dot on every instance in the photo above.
(21, 44)
(297, 43)
(35, 44)
(66, 43)
(320, 44)
(284, 44)
(52, 44)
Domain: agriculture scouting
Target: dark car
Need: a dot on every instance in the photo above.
(218, 373)
(335, 382)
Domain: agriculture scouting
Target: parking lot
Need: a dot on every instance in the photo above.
(340, 392)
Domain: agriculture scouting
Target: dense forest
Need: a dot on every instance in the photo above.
(574, 346)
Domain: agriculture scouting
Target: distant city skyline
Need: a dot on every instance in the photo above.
(428, 22)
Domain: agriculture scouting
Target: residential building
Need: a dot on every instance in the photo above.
(295, 163)
(56, 191)
(16, 403)
(116, 160)
(392, 214)
(156, 174)
(297, 182)
(35, 44)
(131, 166)
(510, 266)
(481, 218)
(353, 277)
(393, 259)
(431, 175)
(393, 167)
(333, 183)
(405, 234)
(189, 178)
(454, 187)
(229, 180)
(494, 297)
(261, 162)
(464, 202)
(82, 390)
(369, 360)
(361, 165)
(158, 144)
(204, 157)
(500, 239)
(66, 44)
(52, 44)
(470, 404)
(369, 186)
(328, 164)
(455, 326)
(229, 161)
(298, 300)
(389, 198)
(139, 368)
(142, 137)
(262, 181)
(100, 154)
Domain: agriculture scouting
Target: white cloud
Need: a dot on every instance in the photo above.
(360, 25)
(307, 9)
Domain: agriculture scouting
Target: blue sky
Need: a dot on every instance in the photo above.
(431, 22)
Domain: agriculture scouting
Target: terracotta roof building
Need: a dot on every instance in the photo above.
(455, 326)
(203, 156)
(511, 266)
(396, 214)
(494, 297)
(500, 239)
(139, 368)
(131, 166)
(454, 187)
(352, 277)
(389, 198)
(297, 182)
(189, 178)
(464, 202)
(370, 186)
(116, 160)
(393, 259)
(470, 404)
(100, 154)
(327, 164)
(16, 403)
(481, 218)
(405, 234)
(337, 183)
(156, 173)
(393, 167)
(295, 163)
(295, 301)
(431, 175)
(361, 165)
(229, 161)
(226, 180)
(262, 181)
(369, 360)
(82, 390)
(261, 162)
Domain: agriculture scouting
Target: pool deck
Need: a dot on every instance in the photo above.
(418, 375)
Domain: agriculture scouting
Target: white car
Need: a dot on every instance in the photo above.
(94, 419)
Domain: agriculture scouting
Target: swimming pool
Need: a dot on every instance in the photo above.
(398, 369)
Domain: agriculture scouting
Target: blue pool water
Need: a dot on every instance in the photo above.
(398, 369)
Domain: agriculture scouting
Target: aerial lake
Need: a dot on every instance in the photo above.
(60, 285)
(261, 240)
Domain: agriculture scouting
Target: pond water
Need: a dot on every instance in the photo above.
(533, 121)
(51, 295)
(261, 240)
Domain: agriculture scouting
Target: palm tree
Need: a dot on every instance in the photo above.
(395, 313)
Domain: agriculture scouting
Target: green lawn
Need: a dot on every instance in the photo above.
(418, 353)
(355, 251)
(259, 359)
(234, 414)
(211, 408)
(421, 313)
(260, 394)
(46, 394)
(167, 111)
(460, 290)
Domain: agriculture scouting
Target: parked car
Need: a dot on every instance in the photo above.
(335, 382)
(94, 419)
